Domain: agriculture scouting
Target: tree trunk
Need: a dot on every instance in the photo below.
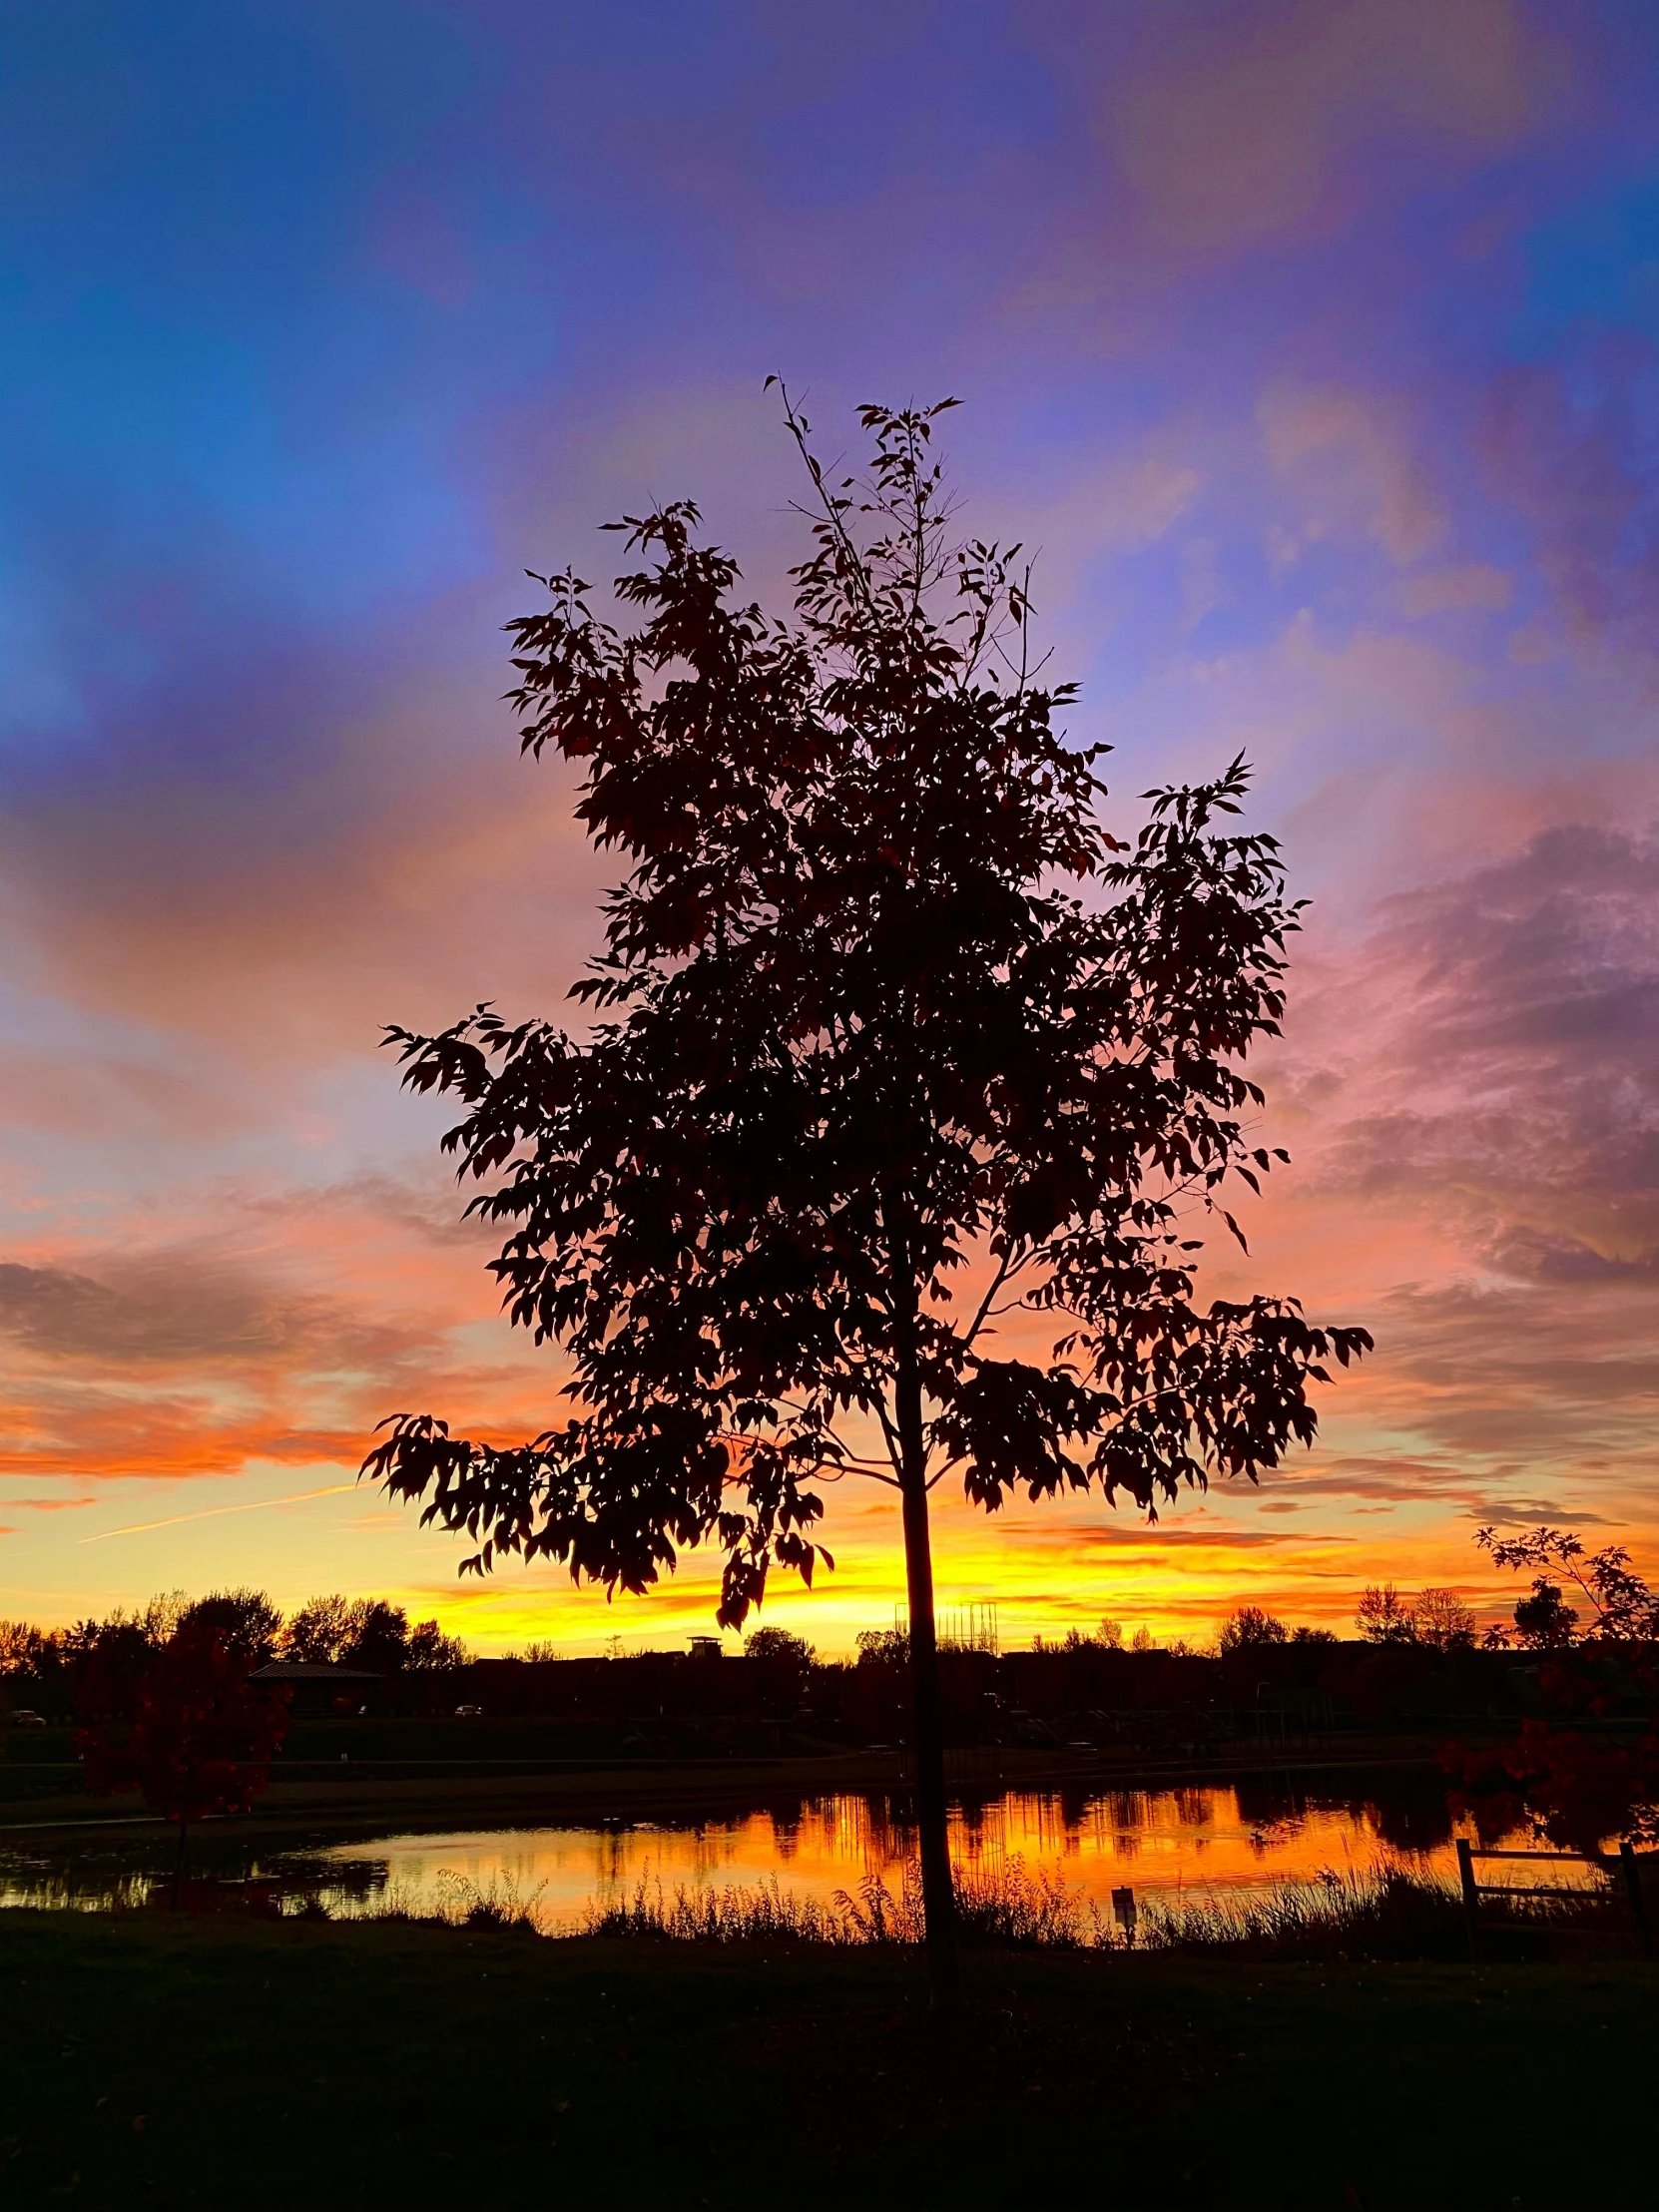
(179, 1866)
(938, 1894)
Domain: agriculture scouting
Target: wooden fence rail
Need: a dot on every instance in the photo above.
(1627, 1862)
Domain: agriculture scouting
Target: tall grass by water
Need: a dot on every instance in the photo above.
(1389, 1911)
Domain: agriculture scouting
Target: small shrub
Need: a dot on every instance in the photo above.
(464, 1905)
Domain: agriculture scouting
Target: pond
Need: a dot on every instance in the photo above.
(1199, 1841)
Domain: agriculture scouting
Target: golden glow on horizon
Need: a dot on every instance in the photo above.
(1049, 1569)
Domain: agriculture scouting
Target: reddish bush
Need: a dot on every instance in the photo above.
(1575, 1790)
(193, 1737)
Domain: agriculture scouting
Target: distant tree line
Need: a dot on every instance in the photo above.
(1616, 1606)
(45, 1667)
(1436, 1619)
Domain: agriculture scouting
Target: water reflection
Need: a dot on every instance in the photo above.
(1238, 1837)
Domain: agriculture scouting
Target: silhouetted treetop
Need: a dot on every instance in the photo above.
(1251, 1628)
(369, 1633)
(247, 1619)
(1625, 1608)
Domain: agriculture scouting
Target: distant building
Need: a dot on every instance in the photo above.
(707, 1647)
(969, 1627)
(316, 1687)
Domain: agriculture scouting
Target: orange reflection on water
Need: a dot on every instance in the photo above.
(1168, 1841)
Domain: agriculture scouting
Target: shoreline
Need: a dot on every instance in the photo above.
(361, 1805)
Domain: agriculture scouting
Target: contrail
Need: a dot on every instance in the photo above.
(211, 1512)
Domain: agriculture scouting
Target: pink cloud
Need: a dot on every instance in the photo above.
(279, 1332)
(1472, 1095)
(1349, 456)
(1245, 126)
(197, 912)
(1473, 585)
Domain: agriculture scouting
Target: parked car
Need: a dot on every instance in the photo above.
(470, 1712)
(23, 1717)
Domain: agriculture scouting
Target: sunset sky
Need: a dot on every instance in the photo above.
(1316, 346)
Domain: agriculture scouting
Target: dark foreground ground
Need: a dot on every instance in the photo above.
(153, 2062)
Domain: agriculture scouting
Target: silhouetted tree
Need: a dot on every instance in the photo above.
(115, 1653)
(379, 1637)
(430, 1651)
(368, 1632)
(1573, 1790)
(319, 1633)
(883, 1648)
(862, 1076)
(1545, 1621)
(1384, 1617)
(1623, 1608)
(23, 1651)
(784, 1665)
(192, 1735)
(1441, 1620)
(248, 1620)
(779, 1646)
(1250, 1630)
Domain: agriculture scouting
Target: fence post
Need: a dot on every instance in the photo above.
(1472, 1896)
(1632, 1871)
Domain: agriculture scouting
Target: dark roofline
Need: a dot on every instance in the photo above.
(309, 1670)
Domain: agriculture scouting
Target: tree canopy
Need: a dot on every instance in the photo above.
(1251, 1628)
(368, 1632)
(863, 1075)
(1623, 1607)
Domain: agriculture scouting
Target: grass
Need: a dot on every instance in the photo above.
(153, 2061)
(1004, 1908)
(1384, 1913)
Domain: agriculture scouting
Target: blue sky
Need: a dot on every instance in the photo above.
(1311, 343)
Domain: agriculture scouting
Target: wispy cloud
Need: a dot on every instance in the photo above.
(217, 1512)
